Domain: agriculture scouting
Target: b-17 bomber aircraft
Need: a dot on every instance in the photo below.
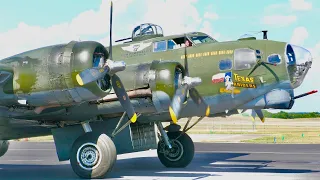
(99, 101)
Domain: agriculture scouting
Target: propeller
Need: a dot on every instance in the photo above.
(187, 86)
(111, 68)
(258, 112)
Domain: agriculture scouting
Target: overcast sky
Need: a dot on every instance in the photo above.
(31, 24)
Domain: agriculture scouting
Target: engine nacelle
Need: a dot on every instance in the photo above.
(4, 146)
(47, 76)
(162, 77)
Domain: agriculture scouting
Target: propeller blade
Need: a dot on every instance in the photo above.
(111, 67)
(91, 74)
(258, 112)
(186, 67)
(116, 82)
(260, 115)
(176, 104)
(123, 98)
(111, 17)
(253, 114)
(195, 96)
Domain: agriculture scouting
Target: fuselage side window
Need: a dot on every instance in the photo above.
(202, 39)
(180, 42)
(244, 59)
(159, 46)
(225, 64)
(274, 59)
(171, 44)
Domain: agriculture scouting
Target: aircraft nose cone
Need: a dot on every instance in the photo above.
(299, 61)
(303, 56)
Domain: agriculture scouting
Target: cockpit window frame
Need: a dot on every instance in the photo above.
(156, 29)
(235, 61)
(160, 29)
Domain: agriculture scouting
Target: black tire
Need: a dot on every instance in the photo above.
(4, 145)
(182, 151)
(99, 149)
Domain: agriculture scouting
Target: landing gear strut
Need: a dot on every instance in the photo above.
(92, 154)
(180, 152)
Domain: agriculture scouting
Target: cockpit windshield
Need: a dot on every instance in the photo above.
(147, 29)
(202, 39)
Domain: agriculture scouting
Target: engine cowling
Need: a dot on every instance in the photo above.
(47, 76)
(162, 77)
(4, 146)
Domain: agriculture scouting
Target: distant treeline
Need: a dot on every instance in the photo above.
(285, 115)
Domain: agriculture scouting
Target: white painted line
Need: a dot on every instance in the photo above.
(256, 152)
(236, 163)
(25, 160)
(151, 151)
(234, 174)
(32, 149)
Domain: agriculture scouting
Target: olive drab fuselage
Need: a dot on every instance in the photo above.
(204, 60)
(46, 76)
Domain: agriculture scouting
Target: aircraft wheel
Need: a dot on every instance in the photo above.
(181, 153)
(4, 145)
(93, 155)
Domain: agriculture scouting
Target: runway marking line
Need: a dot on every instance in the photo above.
(25, 160)
(251, 152)
(31, 149)
(255, 152)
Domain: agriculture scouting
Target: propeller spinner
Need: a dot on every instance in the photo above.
(111, 68)
(188, 85)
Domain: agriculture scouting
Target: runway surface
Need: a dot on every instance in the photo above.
(31, 160)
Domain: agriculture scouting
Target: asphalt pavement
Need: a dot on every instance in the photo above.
(33, 160)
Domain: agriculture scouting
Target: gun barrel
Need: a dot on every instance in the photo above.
(305, 94)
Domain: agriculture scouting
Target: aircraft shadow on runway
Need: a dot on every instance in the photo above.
(203, 164)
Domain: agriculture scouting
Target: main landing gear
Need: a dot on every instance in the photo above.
(175, 149)
(92, 154)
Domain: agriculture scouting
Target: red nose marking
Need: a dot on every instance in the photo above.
(312, 92)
